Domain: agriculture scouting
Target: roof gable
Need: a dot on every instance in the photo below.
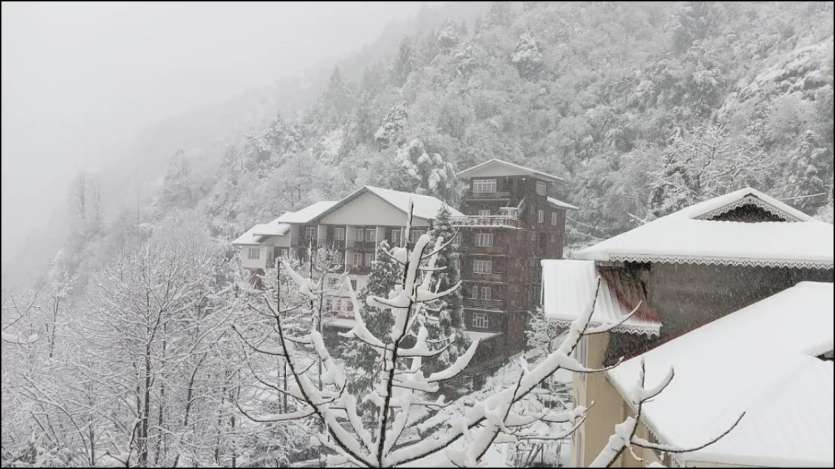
(698, 235)
(496, 168)
(425, 207)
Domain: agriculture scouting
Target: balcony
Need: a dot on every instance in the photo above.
(497, 305)
(495, 250)
(505, 221)
(363, 245)
(491, 277)
(359, 269)
(488, 195)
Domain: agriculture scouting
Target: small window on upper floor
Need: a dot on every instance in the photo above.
(484, 213)
(484, 186)
(310, 232)
(540, 216)
(339, 234)
(554, 217)
(484, 239)
(253, 253)
(481, 320)
(541, 187)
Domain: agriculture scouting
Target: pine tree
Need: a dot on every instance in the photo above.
(450, 318)
(361, 359)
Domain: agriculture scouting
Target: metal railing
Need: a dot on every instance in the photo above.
(485, 304)
(488, 195)
(486, 220)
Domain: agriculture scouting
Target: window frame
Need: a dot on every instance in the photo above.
(481, 238)
(554, 217)
(543, 185)
(354, 259)
(540, 216)
(256, 250)
(336, 233)
(484, 212)
(481, 320)
(311, 231)
(486, 266)
(485, 186)
(486, 293)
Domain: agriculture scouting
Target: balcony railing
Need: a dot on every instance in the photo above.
(487, 220)
(484, 304)
(364, 245)
(359, 269)
(489, 195)
(491, 277)
(489, 250)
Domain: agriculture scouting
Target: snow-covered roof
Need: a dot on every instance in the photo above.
(481, 336)
(761, 360)
(273, 228)
(425, 206)
(568, 288)
(307, 214)
(257, 233)
(689, 236)
(507, 168)
(561, 204)
(249, 237)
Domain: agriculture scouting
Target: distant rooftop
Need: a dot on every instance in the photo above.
(307, 214)
(496, 167)
(690, 236)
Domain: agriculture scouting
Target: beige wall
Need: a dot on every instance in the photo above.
(607, 410)
(369, 209)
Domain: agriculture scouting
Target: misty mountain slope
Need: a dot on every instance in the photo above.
(616, 98)
(628, 102)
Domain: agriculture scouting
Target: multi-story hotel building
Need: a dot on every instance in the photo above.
(509, 221)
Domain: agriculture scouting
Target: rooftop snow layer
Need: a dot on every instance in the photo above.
(568, 288)
(686, 237)
(306, 214)
(513, 167)
(761, 360)
(425, 206)
(560, 203)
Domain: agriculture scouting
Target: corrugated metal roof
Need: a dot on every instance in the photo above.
(568, 288)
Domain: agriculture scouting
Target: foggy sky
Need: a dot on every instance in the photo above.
(80, 79)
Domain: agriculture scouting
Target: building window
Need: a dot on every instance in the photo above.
(482, 266)
(481, 320)
(253, 253)
(359, 234)
(310, 232)
(484, 186)
(484, 213)
(354, 285)
(339, 234)
(474, 292)
(484, 239)
(395, 237)
(541, 187)
(486, 293)
(540, 215)
(357, 259)
(370, 235)
(368, 257)
(554, 218)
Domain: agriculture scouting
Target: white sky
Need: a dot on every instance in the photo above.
(78, 78)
